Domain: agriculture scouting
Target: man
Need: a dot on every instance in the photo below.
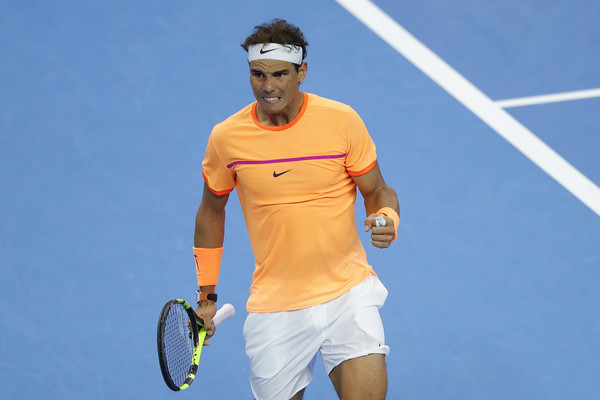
(296, 160)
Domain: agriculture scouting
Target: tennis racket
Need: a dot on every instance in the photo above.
(180, 336)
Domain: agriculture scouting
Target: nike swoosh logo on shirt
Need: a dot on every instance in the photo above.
(276, 175)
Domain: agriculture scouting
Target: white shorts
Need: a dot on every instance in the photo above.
(282, 346)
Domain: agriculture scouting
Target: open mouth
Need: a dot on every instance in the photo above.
(271, 100)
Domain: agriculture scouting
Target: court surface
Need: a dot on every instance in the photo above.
(105, 109)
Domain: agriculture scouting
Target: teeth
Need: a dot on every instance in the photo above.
(270, 98)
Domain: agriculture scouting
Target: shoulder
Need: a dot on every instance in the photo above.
(325, 104)
(334, 112)
(236, 120)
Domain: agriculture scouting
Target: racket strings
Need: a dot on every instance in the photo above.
(179, 344)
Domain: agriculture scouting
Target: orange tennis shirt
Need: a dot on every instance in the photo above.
(297, 194)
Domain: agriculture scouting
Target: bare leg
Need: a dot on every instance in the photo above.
(298, 396)
(363, 378)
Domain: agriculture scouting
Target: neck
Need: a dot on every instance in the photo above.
(283, 117)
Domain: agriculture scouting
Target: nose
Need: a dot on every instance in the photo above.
(268, 84)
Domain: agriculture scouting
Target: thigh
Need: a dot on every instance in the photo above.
(282, 352)
(361, 378)
(299, 395)
(358, 330)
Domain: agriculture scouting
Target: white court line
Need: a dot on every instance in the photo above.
(549, 98)
(476, 101)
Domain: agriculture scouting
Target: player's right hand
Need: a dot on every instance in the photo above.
(206, 311)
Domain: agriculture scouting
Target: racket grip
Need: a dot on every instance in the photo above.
(225, 312)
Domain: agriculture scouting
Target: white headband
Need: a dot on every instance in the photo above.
(275, 51)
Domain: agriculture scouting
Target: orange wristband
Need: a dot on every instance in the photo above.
(390, 212)
(208, 265)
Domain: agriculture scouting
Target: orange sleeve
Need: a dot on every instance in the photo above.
(216, 192)
(363, 171)
(361, 156)
(218, 177)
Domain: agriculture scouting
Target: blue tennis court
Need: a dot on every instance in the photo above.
(486, 116)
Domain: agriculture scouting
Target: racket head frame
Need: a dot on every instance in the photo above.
(198, 336)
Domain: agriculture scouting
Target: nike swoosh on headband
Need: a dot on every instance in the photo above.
(281, 52)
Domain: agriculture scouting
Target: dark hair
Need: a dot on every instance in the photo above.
(277, 31)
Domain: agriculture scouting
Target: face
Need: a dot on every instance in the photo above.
(275, 85)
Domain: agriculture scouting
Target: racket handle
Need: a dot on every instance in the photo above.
(225, 312)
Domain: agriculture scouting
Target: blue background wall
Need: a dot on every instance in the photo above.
(105, 109)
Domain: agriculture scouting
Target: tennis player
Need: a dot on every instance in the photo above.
(296, 160)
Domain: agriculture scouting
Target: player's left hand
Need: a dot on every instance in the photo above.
(381, 236)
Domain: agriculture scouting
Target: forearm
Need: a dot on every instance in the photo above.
(382, 197)
(210, 227)
(208, 239)
(209, 234)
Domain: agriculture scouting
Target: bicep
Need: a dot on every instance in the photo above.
(210, 220)
(212, 202)
(375, 191)
(370, 182)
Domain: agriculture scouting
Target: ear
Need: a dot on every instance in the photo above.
(302, 70)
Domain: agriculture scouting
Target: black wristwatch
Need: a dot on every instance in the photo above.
(205, 296)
